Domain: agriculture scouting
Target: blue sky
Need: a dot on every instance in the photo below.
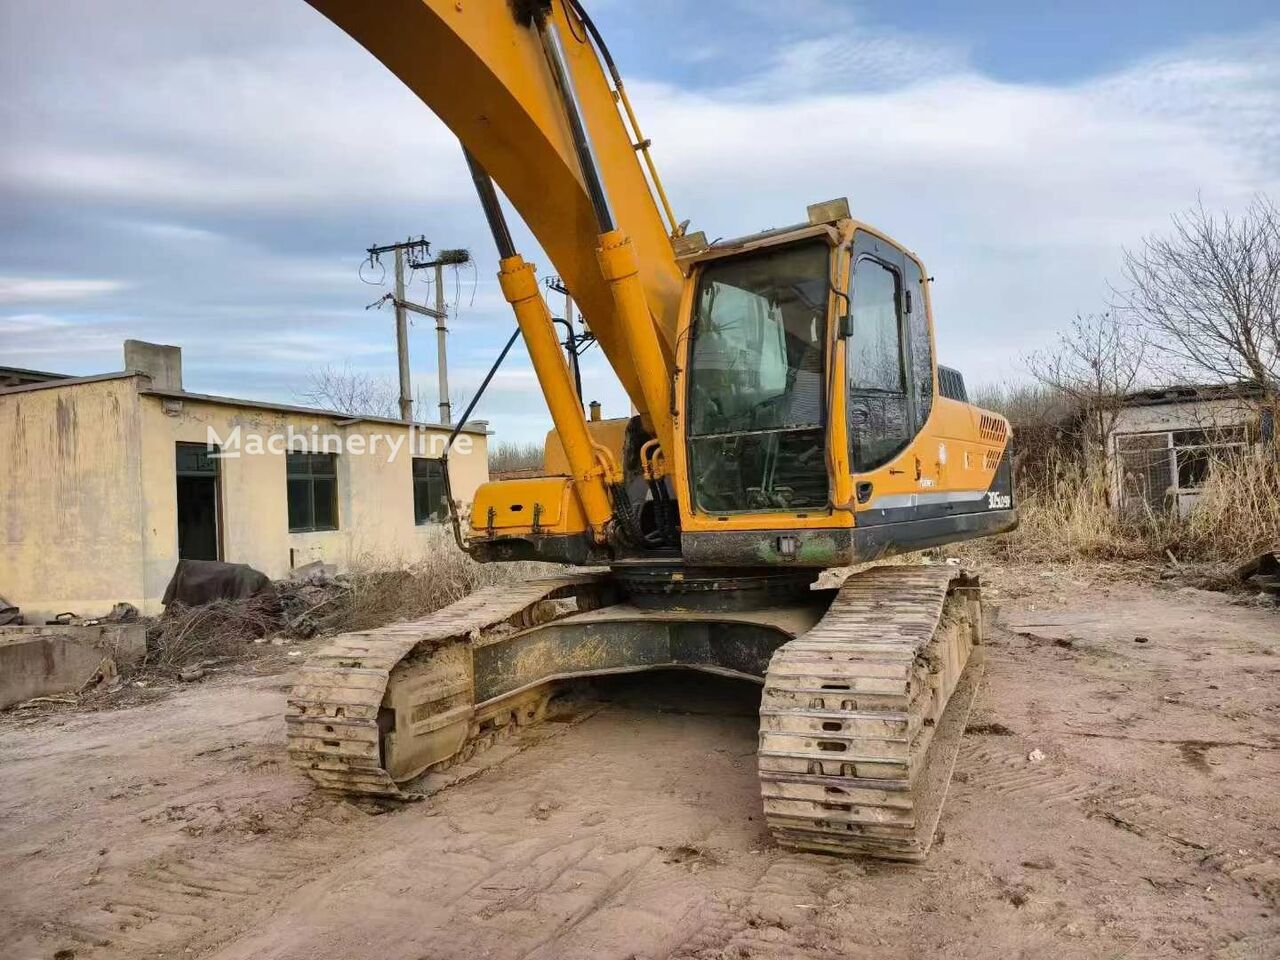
(208, 175)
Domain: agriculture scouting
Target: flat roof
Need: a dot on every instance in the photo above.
(41, 374)
(480, 427)
(68, 382)
(1191, 393)
(476, 427)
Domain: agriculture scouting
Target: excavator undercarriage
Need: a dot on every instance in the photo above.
(866, 688)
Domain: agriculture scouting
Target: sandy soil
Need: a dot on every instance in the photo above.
(1150, 827)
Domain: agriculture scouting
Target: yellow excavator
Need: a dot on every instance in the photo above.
(789, 417)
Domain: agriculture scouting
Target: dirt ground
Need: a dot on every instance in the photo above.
(1150, 827)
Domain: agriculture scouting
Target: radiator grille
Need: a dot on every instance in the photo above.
(993, 429)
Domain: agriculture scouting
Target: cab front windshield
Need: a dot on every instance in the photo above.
(756, 423)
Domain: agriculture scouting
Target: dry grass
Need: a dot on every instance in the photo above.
(184, 636)
(1066, 516)
(385, 590)
(1238, 515)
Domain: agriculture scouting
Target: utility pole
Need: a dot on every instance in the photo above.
(402, 343)
(443, 259)
(411, 246)
(575, 344)
(442, 357)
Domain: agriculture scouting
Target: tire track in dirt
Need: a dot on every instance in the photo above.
(170, 902)
(1175, 824)
(783, 915)
(230, 871)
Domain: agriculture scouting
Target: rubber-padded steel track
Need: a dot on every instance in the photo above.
(340, 713)
(861, 717)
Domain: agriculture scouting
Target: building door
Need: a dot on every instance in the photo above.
(198, 520)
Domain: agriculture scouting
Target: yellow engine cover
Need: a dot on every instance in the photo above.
(533, 505)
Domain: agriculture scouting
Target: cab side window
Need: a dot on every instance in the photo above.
(880, 415)
(875, 352)
(919, 347)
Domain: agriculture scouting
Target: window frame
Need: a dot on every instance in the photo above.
(915, 304)
(295, 473)
(694, 412)
(694, 430)
(1124, 447)
(904, 346)
(443, 480)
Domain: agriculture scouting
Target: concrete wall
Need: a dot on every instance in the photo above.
(71, 523)
(375, 494)
(88, 494)
(1197, 415)
(39, 661)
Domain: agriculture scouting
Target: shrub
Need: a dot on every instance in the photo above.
(508, 456)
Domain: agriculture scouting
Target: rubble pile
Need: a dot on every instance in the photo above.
(314, 600)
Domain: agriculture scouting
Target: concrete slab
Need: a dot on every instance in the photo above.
(41, 661)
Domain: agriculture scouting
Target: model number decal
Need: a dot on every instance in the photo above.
(999, 501)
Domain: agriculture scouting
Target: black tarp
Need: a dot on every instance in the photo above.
(197, 582)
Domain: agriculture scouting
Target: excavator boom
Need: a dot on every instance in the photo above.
(485, 74)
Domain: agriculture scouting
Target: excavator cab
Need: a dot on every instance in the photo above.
(808, 424)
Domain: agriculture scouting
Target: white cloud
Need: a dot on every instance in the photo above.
(206, 133)
(1018, 197)
(47, 290)
(858, 60)
(30, 323)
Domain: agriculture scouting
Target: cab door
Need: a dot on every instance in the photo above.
(888, 359)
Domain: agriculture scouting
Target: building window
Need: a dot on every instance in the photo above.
(1195, 450)
(1156, 467)
(429, 501)
(313, 491)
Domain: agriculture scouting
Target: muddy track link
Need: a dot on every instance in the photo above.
(862, 716)
(354, 730)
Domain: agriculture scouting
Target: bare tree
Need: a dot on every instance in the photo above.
(349, 391)
(1209, 293)
(362, 394)
(1095, 363)
(513, 456)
